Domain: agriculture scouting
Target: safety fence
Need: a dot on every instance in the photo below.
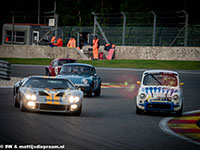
(140, 29)
(138, 36)
(5, 70)
(127, 29)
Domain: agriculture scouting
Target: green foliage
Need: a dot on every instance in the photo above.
(78, 12)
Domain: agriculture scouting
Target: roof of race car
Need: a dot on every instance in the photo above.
(77, 64)
(48, 77)
(45, 77)
(64, 59)
(160, 71)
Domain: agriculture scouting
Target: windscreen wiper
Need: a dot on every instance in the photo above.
(155, 78)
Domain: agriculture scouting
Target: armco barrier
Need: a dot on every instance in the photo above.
(5, 70)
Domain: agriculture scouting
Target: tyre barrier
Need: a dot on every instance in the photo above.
(5, 70)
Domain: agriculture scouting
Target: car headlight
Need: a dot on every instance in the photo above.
(30, 97)
(175, 97)
(74, 99)
(85, 81)
(142, 96)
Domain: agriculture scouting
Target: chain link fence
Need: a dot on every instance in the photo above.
(130, 29)
(141, 29)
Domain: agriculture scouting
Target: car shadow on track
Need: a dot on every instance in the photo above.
(159, 114)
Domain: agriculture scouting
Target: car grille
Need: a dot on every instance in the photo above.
(53, 107)
(159, 106)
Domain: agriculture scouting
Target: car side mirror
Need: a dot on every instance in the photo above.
(181, 83)
(19, 83)
(138, 82)
(78, 88)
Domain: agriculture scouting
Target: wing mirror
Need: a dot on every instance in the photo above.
(181, 83)
(78, 88)
(20, 82)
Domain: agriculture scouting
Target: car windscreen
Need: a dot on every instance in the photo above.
(76, 70)
(49, 83)
(160, 79)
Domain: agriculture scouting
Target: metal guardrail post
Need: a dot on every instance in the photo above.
(5, 70)
(95, 22)
(78, 40)
(124, 28)
(99, 27)
(56, 25)
(13, 30)
(186, 28)
(102, 33)
(154, 28)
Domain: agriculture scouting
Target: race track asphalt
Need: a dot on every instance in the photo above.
(108, 122)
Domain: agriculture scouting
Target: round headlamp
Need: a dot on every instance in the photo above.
(74, 99)
(142, 96)
(85, 81)
(30, 97)
(175, 97)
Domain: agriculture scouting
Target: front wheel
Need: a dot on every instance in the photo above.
(16, 104)
(47, 73)
(138, 110)
(179, 112)
(22, 107)
(97, 92)
(89, 93)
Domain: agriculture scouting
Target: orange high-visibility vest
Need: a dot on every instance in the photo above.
(95, 49)
(71, 43)
(53, 39)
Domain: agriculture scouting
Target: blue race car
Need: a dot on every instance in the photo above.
(83, 76)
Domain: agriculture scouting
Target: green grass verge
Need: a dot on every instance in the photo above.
(142, 64)
(27, 61)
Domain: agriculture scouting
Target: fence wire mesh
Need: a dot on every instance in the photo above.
(132, 29)
(171, 29)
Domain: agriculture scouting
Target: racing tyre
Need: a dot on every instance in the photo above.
(98, 91)
(89, 94)
(16, 104)
(77, 112)
(138, 111)
(179, 112)
(22, 107)
(47, 72)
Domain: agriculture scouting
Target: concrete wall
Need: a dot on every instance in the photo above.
(121, 52)
(19, 51)
(158, 53)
